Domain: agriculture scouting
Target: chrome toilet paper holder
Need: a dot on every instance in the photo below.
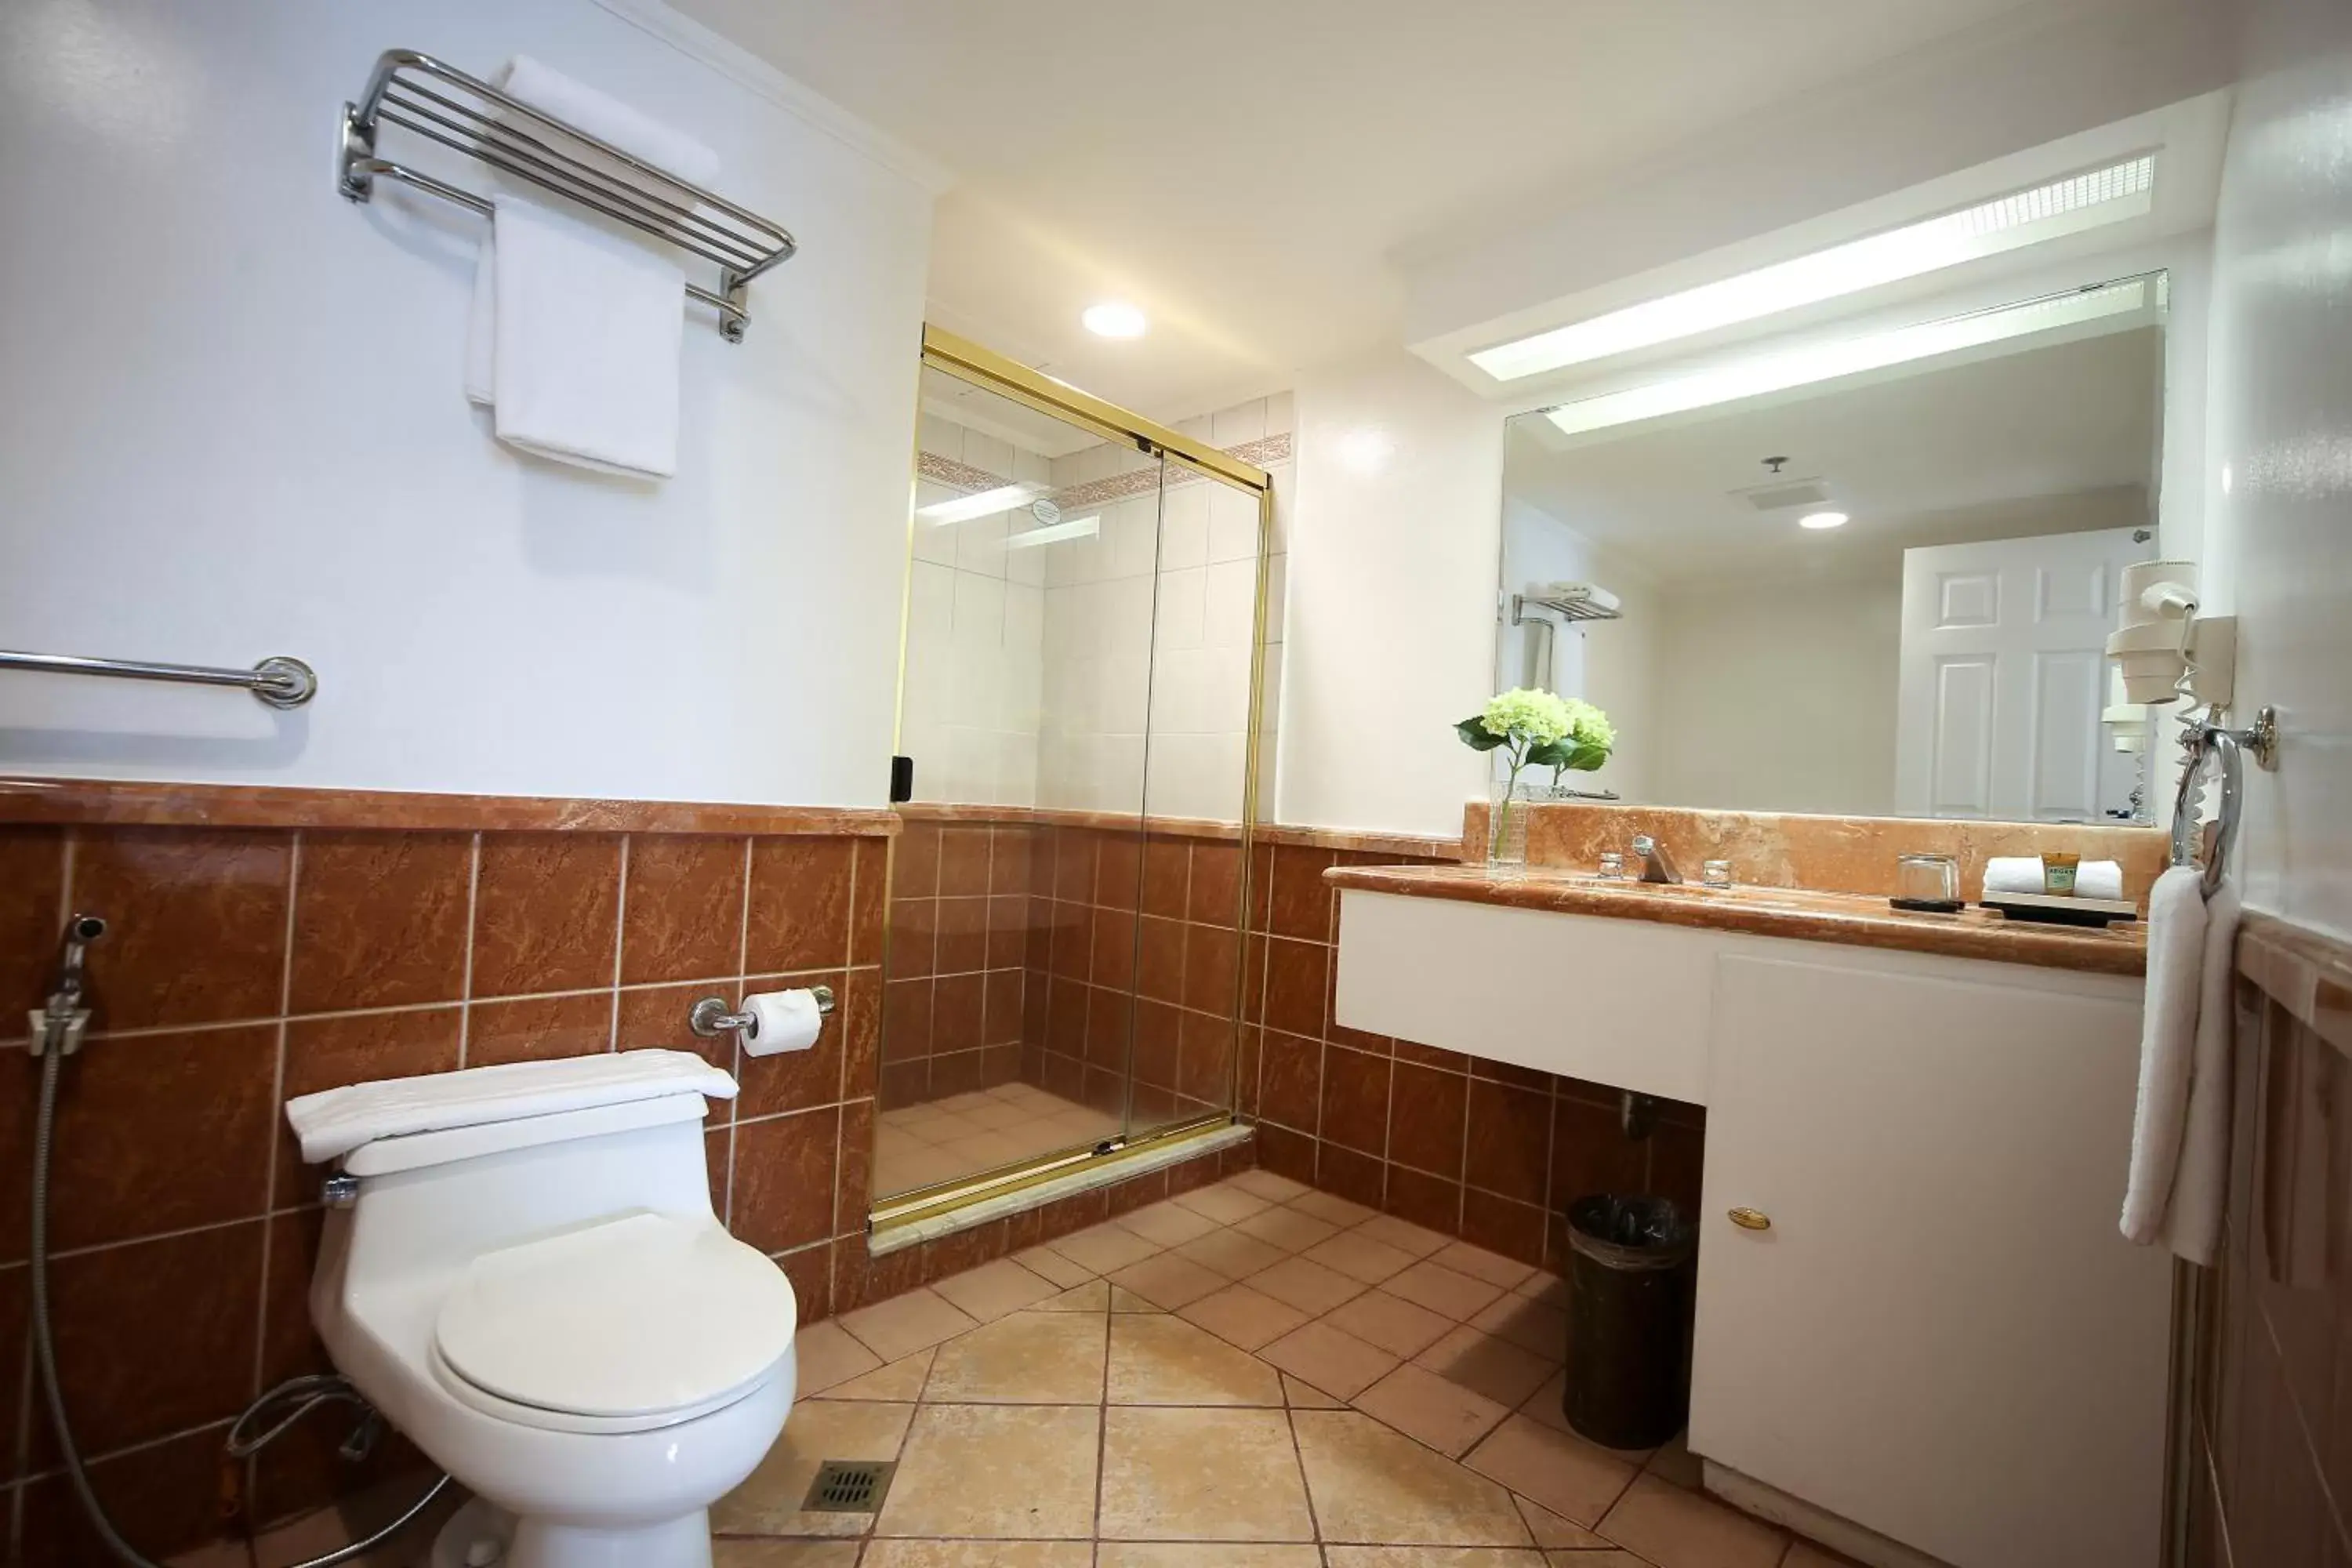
(712, 1019)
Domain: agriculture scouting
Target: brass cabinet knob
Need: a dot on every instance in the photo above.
(1751, 1219)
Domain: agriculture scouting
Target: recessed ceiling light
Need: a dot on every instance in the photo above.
(1820, 520)
(980, 503)
(2102, 197)
(1767, 374)
(1114, 319)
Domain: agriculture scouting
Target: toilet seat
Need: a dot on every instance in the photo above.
(631, 1323)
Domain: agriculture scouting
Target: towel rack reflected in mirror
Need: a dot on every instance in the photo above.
(442, 104)
(2200, 742)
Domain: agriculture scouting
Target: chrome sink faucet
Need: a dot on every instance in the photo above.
(1657, 866)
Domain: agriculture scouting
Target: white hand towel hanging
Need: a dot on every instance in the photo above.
(611, 121)
(574, 341)
(2176, 1189)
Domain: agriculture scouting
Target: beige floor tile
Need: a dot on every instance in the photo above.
(1373, 1485)
(1228, 1252)
(924, 1167)
(993, 1289)
(900, 1382)
(947, 1127)
(994, 1113)
(1332, 1209)
(826, 1354)
(1287, 1229)
(1433, 1285)
(1162, 1360)
(769, 1500)
(1227, 1202)
(1334, 1361)
(1104, 1248)
(1485, 1365)
(1433, 1557)
(1029, 1358)
(750, 1551)
(1167, 1224)
(1678, 1528)
(1550, 1530)
(1359, 1257)
(1574, 1478)
(1549, 1289)
(979, 1554)
(1805, 1554)
(1674, 1462)
(1199, 1554)
(1265, 1184)
(1425, 1408)
(1123, 1299)
(905, 1324)
(1201, 1475)
(1403, 1235)
(1052, 1267)
(1300, 1395)
(1544, 1406)
(1530, 1325)
(1243, 1315)
(1310, 1287)
(1021, 1471)
(1168, 1281)
(1610, 1559)
(1480, 1264)
(1091, 1297)
(1394, 1324)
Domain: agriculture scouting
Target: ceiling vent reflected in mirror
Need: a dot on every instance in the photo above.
(1785, 495)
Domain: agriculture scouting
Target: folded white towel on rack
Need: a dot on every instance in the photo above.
(2022, 874)
(2176, 1186)
(610, 121)
(574, 341)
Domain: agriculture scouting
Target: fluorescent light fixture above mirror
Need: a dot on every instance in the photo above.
(2080, 202)
(1768, 373)
(980, 503)
(1076, 528)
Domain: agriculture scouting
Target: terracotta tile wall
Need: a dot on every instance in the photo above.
(245, 966)
(2271, 1468)
(960, 932)
(1476, 1149)
(1134, 958)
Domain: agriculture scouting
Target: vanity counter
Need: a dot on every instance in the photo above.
(1852, 919)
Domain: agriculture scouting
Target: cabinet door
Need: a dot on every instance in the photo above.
(1942, 1336)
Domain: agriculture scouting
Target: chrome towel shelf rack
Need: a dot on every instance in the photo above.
(278, 681)
(444, 105)
(2206, 740)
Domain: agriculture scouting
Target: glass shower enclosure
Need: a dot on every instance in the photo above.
(1078, 691)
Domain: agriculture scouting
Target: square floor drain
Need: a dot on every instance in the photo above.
(849, 1486)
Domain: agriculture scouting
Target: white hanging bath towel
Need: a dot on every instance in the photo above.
(574, 341)
(2181, 1133)
(611, 121)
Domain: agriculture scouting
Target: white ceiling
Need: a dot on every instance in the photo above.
(1247, 173)
(1964, 452)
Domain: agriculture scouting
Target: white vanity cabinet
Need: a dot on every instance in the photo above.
(1942, 1337)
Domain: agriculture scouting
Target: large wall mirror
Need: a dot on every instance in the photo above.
(1883, 594)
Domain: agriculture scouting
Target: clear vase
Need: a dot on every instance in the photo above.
(1507, 827)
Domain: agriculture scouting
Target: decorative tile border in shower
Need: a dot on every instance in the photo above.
(1270, 452)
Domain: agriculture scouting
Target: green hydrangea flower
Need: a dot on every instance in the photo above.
(1525, 713)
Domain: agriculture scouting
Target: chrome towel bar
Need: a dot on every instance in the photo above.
(512, 137)
(2200, 742)
(278, 681)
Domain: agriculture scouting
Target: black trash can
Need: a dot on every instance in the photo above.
(1629, 1316)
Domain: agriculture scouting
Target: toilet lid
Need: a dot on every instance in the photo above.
(635, 1316)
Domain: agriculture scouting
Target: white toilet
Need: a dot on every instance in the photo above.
(521, 1270)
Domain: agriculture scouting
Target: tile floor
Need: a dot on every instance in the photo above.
(965, 1134)
(1251, 1375)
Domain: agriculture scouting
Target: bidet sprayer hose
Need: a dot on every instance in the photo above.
(312, 1393)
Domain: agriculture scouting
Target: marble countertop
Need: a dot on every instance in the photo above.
(1854, 918)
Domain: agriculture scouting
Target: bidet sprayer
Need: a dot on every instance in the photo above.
(58, 1025)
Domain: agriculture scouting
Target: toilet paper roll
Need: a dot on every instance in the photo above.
(782, 1021)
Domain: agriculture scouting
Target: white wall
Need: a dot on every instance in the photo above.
(1392, 545)
(1779, 700)
(2279, 529)
(235, 428)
